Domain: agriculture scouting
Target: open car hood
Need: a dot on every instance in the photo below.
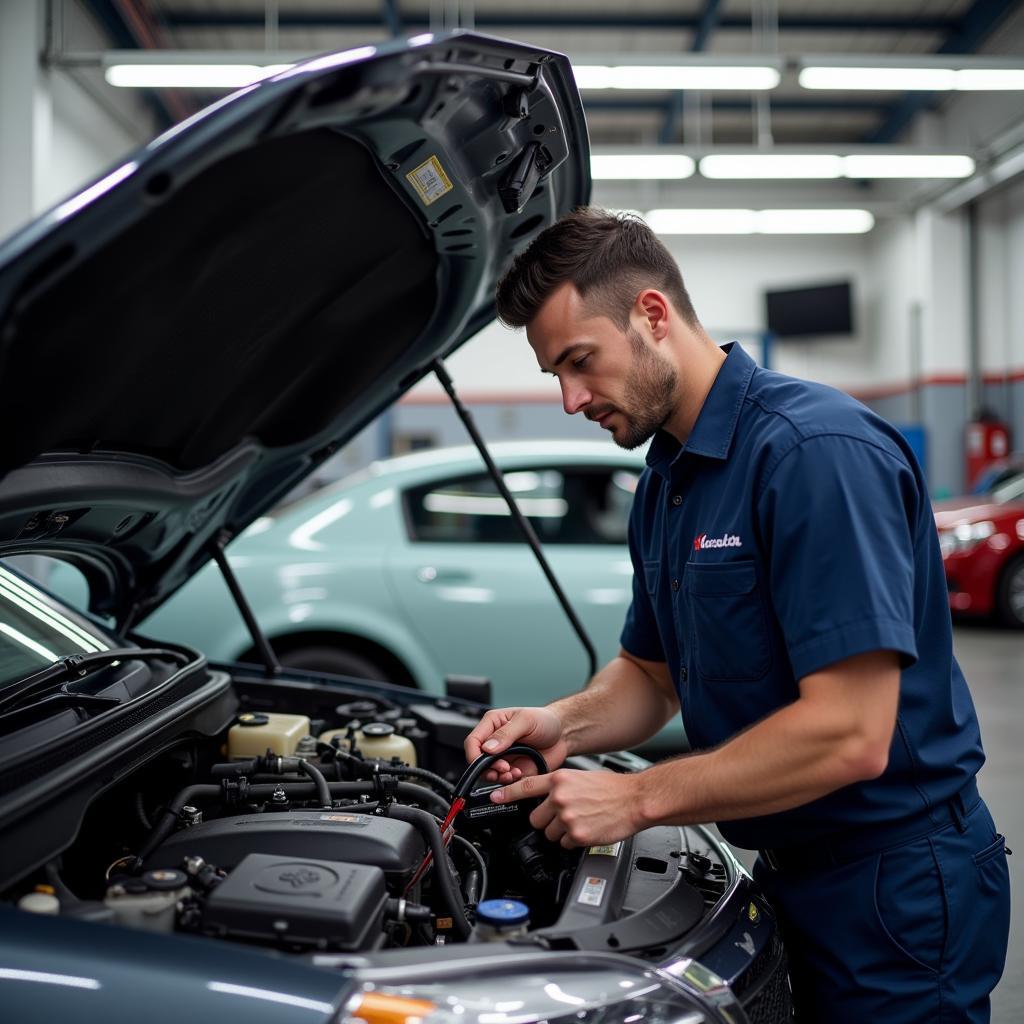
(190, 336)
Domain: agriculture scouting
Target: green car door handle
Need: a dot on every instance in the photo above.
(431, 574)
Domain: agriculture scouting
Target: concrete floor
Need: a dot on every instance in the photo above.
(993, 662)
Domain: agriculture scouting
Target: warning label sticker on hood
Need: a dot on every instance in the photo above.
(430, 181)
(592, 892)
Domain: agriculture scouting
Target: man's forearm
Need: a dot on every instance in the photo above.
(801, 752)
(622, 705)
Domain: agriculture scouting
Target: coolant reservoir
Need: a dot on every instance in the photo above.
(257, 730)
(377, 739)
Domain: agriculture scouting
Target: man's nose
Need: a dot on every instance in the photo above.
(574, 397)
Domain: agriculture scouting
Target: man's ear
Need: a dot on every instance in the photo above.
(653, 306)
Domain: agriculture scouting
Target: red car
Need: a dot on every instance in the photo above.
(982, 540)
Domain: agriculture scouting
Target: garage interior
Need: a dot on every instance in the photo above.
(741, 132)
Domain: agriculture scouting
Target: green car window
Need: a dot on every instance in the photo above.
(587, 505)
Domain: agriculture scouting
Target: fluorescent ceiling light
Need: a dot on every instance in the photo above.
(970, 79)
(909, 79)
(701, 222)
(189, 76)
(881, 79)
(771, 165)
(825, 165)
(653, 76)
(908, 165)
(814, 222)
(641, 165)
(760, 222)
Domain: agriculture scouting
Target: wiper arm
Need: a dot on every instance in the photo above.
(81, 665)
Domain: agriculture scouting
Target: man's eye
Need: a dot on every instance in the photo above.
(581, 362)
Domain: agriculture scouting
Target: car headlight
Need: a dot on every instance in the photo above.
(588, 989)
(964, 537)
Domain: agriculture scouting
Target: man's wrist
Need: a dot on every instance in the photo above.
(559, 711)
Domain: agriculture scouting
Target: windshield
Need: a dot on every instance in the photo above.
(1009, 490)
(36, 632)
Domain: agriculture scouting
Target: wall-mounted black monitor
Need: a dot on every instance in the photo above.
(801, 312)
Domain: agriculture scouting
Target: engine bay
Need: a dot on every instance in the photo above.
(350, 824)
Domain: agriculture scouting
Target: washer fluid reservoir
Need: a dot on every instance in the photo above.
(257, 730)
(377, 739)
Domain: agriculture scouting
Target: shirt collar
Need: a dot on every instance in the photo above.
(716, 422)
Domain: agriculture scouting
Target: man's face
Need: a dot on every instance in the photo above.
(615, 378)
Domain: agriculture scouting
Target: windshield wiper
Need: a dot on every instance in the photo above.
(80, 665)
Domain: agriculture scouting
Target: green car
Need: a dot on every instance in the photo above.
(413, 570)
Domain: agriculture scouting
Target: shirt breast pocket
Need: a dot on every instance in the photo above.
(729, 637)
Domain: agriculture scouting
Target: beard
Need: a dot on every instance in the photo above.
(649, 395)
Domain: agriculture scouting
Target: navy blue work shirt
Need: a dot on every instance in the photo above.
(792, 530)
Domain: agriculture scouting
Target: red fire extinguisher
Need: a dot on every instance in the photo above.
(987, 441)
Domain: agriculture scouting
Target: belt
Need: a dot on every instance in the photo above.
(831, 851)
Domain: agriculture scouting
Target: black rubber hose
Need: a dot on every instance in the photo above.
(414, 913)
(140, 811)
(430, 831)
(406, 790)
(471, 887)
(418, 773)
(411, 771)
(484, 761)
(64, 894)
(207, 793)
(165, 826)
(481, 869)
(322, 792)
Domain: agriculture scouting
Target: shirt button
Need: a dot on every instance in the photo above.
(675, 584)
(677, 500)
(683, 673)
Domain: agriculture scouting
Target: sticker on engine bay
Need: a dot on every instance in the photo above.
(430, 181)
(346, 819)
(487, 810)
(605, 851)
(592, 892)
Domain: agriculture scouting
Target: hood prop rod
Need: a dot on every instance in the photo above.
(521, 521)
(262, 645)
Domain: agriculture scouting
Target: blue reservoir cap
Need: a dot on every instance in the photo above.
(502, 913)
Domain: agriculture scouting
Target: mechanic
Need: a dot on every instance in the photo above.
(788, 595)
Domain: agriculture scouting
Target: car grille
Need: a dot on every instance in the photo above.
(763, 987)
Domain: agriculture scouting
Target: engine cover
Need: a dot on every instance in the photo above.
(393, 846)
(296, 900)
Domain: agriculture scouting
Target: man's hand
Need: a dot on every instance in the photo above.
(539, 728)
(583, 808)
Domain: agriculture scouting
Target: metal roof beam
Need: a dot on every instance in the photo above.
(511, 18)
(705, 27)
(975, 27)
(392, 16)
(108, 16)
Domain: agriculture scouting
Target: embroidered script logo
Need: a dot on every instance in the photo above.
(704, 542)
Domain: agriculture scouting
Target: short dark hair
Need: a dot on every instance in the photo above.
(609, 258)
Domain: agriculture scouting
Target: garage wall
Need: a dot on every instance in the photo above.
(907, 359)
(58, 129)
(1001, 305)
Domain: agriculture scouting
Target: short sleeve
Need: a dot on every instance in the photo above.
(640, 636)
(837, 517)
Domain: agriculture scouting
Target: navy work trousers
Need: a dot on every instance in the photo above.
(915, 933)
